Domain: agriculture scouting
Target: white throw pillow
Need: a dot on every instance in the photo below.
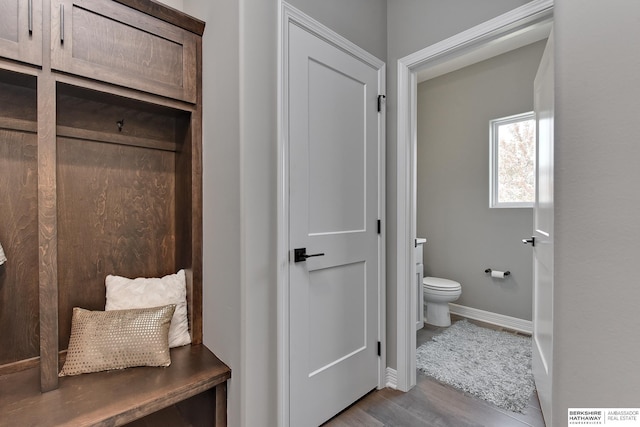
(124, 293)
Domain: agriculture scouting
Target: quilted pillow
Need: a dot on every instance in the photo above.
(105, 340)
(124, 293)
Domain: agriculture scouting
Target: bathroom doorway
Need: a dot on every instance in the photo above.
(465, 234)
(520, 27)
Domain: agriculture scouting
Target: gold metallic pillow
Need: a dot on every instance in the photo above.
(118, 339)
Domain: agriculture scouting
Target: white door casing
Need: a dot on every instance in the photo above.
(331, 189)
(519, 27)
(542, 239)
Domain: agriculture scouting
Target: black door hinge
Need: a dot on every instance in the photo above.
(379, 349)
(380, 98)
(379, 226)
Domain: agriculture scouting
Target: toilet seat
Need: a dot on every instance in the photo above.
(439, 284)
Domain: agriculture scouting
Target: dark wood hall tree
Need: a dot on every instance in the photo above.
(100, 173)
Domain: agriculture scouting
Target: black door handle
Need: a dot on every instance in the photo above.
(300, 254)
(531, 241)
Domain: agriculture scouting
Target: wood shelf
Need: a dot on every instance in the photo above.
(114, 397)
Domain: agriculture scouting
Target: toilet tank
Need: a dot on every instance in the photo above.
(419, 243)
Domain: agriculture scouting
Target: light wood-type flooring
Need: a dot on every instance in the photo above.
(432, 404)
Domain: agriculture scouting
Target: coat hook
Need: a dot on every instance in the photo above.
(120, 124)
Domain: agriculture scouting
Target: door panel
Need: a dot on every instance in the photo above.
(109, 42)
(333, 196)
(21, 30)
(341, 291)
(542, 363)
(336, 182)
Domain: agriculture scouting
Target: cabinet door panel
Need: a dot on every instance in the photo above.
(110, 42)
(21, 30)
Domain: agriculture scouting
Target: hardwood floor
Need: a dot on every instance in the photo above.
(432, 404)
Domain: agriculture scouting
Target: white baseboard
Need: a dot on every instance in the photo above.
(392, 378)
(520, 325)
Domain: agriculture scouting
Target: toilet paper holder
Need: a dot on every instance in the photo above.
(506, 273)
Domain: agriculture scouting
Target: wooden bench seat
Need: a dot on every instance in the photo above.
(114, 398)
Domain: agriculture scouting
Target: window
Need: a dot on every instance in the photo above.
(512, 165)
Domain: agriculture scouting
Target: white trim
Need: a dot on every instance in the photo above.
(282, 312)
(520, 325)
(288, 14)
(503, 27)
(391, 378)
(382, 239)
(405, 310)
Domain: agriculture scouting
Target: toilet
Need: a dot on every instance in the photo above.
(438, 293)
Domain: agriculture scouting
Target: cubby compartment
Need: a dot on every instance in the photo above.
(19, 314)
(120, 198)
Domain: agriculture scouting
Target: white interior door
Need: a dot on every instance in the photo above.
(542, 239)
(333, 215)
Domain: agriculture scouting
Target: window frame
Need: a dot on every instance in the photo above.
(493, 160)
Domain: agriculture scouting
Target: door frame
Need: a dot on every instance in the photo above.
(508, 31)
(290, 15)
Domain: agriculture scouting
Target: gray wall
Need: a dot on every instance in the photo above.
(413, 25)
(464, 236)
(176, 4)
(222, 303)
(240, 183)
(597, 205)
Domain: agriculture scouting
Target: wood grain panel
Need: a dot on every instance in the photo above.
(16, 40)
(19, 308)
(9, 20)
(166, 13)
(110, 42)
(184, 221)
(47, 233)
(116, 215)
(111, 398)
(199, 410)
(118, 119)
(195, 143)
(168, 417)
(17, 101)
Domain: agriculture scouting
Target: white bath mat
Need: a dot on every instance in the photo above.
(492, 365)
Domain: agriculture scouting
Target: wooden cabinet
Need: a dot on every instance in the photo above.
(100, 173)
(21, 30)
(109, 42)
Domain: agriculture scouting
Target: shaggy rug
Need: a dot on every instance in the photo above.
(492, 365)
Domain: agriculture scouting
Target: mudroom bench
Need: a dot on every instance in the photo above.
(179, 395)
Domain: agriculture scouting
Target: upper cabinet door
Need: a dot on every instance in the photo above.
(110, 42)
(21, 30)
